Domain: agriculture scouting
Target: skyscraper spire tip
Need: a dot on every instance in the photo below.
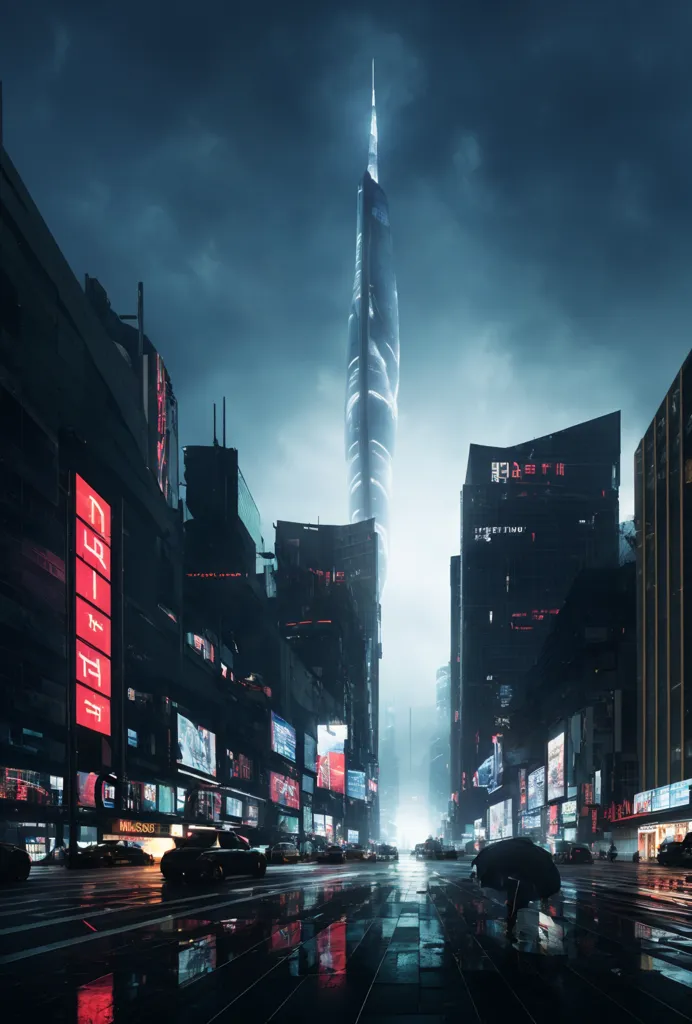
(372, 149)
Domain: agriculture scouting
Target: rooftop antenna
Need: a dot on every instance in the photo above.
(224, 421)
(215, 441)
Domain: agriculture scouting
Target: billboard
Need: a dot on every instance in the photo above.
(307, 818)
(500, 820)
(310, 752)
(353, 836)
(522, 789)
(251, 816)
(289, 824)
(196, 746)
(569, 811)
(556, 767)
(537, 788)
(283, 738)
(597, 787)
(284, 790)
(355, 785)
(308, 784)
(331, 758)
(92, 609)
(234, 807)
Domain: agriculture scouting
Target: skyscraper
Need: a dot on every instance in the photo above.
(373, 358)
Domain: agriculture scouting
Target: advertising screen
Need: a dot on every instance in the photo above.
(284, 790)
(239, 766)
(310, 752)
(500, 820)
(251, 816)
(234, 807)
(680, 793)
(556, 767)
(307, 818)
(196, 746)
(308, 784)
(331, 758)
(319, 825)
(353, 836)
(86, 789)
(289, 824)
(522, 789)
(537, 788)
(355, 785)
(93, 710)
(283, 738)
(497, 765)
(597, 787)
(483, 776)
(569, 811)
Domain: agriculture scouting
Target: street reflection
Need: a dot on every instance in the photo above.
(95, 1003)
(196, 959)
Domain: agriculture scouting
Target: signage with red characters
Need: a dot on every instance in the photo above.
(92, 609)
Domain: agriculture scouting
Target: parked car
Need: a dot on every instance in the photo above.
(15, 863)
(112, 854)
(210, 856)
(332, 855)
(577, 854)
(675, 853)
(386, 852)
(354, 851)
(284, 853)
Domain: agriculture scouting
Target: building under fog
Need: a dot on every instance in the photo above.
(533, 515)
(373, 358)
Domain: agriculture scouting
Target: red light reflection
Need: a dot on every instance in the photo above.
(95, 1002)
(331, 952)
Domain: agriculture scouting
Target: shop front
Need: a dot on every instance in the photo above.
(153, 836)
(650, 837)
(665, 814)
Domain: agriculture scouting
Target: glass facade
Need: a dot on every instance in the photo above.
(373, 363)
(663, 475)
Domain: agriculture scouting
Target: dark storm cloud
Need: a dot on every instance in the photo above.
(537, 159)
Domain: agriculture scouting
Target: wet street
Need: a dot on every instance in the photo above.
(379, 944)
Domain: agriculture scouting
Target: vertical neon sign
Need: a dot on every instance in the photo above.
(92, 609)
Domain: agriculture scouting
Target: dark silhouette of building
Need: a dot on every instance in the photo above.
(327, 606)
(533, 516)
(455, 773)
(663, 513)
(373, 358)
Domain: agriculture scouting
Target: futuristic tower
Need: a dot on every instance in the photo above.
(373, 358)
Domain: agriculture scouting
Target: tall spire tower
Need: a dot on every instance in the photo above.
(372, 388)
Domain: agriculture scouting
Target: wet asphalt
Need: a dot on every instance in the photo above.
(377, 944)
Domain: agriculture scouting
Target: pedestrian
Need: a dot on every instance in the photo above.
(518, 898)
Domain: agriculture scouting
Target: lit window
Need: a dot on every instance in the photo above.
(131, 738)
(490, 616)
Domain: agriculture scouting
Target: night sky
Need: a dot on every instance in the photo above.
(538, 162)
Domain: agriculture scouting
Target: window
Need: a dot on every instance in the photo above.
(131, 738)
(166, 799)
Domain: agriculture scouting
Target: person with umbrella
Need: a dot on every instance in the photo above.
(526, 872)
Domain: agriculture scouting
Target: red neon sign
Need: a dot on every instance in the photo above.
(93, 510)
(92, 587)
(93, 626)
(92, 609)
(93, 550)
(93, 710)
(93, 669)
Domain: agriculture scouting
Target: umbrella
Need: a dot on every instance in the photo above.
(521, 860)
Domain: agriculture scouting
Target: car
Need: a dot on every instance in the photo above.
(355, 852)
(386, 852)
(332, 855)
(675, 853)
(15, 863)
(211, 856)
(284, 853)
(577, 854)
(112, 854)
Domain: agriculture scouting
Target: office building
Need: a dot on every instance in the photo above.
(533, 516)
(373, 358)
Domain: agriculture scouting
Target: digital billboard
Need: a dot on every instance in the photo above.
(537, 788)
(284, 790)
(310, 752)
(289, 824)
(522, 789)
(196, 746)
(92, 608)
(353, 836)
(308, 784)
(307, 817)
(234, 807)
(331, 757)
(239, 766)
(251, 816)
(569, 811)
(283, 738)
(556, 767)
(355, 785)
(500, 820)
(597, 787)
